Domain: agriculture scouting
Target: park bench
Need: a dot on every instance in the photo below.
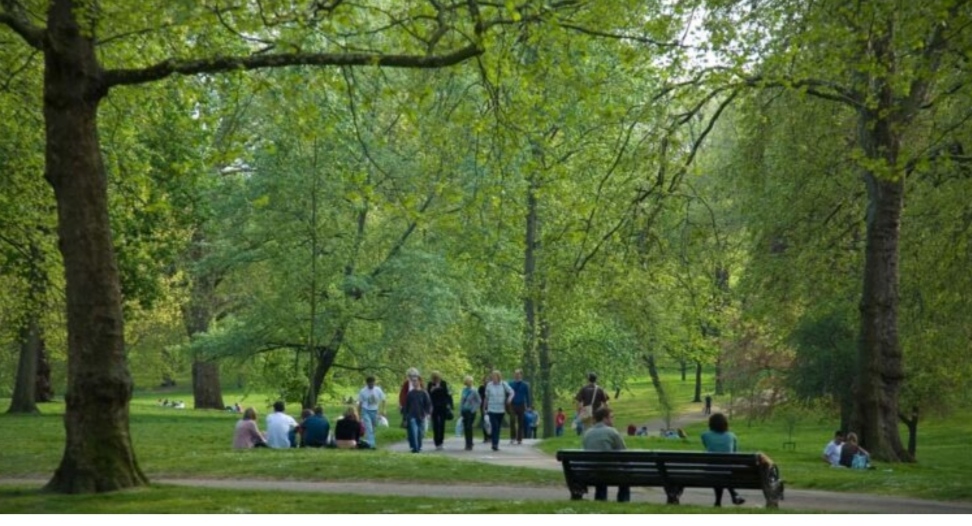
(672, 470)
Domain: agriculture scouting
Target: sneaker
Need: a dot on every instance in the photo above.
(738, 500)
(495, 448)
(438, 448)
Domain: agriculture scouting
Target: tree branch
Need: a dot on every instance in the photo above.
(642, 40)
(14, 17)
(118, 77)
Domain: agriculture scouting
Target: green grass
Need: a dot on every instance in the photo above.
(173, 443)
(171, 499)
(188, 443)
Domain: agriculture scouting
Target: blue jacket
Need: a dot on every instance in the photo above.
(521, 392)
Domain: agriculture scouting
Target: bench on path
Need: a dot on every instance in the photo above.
(672, 470)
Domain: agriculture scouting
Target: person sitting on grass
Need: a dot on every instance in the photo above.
(831, 452)
(854, 456)
(247, 435)
(348, 431)
(315, 429)
(718, 439)
(280, 427)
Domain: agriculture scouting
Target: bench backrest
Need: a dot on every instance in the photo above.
(662, 468)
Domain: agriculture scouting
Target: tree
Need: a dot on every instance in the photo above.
(78, 75)
(882, 63)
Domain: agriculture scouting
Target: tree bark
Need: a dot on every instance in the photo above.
(43, 390)
(324, 359)
(698, 382)
(719, 384)
(659, 389)
(207, 392)
(880, 363)
(912, 425)
(98, 453)
(24, 399)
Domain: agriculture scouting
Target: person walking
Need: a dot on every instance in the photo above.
(718, 439)
(418, 407)
(521, 401)
(589, 399)
(469, 404)
(371, 402)
(708, 405)
(498, 395)
(602, 436)
(559, 421)
(410, 375)
(442, 408)
(483, 418)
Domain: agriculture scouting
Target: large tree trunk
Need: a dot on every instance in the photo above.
(24, 399)
(879, 353)
(663, 400)
(880, 364)
(544, 383)
(98, 453)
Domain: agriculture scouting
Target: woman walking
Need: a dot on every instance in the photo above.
(469, 403)
(498, 395)
(441, 407)
(718, 439)
(418, 406)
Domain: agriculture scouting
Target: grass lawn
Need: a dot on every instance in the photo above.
(196, 444)
(189, 443)
(171, 499)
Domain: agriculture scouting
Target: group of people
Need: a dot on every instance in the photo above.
(491, 401)
(352, 430)
(844, 451)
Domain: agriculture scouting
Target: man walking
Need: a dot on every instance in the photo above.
(371, 401)
(521, 400)
(603, 437)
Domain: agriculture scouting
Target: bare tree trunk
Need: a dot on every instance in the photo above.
(698, 382)
(24, 399)
(43, 389)
(659, 389)
(98, 453)
(207, 392)
(719, 384)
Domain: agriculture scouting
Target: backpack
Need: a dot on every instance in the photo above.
(859, 461)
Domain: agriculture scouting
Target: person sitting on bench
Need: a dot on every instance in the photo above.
(603, 437)
(718, 439)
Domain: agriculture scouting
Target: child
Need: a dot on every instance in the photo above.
(560, 419)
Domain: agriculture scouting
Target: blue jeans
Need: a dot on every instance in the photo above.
(415, 434)
(370, 419)
(560, 431)
(496, 423)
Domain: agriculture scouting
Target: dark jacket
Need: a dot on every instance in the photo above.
(418, 404)
(440, 395)
(347, 429)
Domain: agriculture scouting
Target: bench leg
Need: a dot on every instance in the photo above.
(674, 493)
(577, 492)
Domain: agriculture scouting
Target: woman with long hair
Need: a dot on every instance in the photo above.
(247, 434)
(718, 439)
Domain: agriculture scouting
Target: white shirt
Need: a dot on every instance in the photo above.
(832, 452)
(371, 399)
(278, 427)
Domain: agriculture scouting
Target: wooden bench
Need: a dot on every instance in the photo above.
(672, 470)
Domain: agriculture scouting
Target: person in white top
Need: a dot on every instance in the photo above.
(831, 453)
(371, 402)
(498, 395)
(280, 427)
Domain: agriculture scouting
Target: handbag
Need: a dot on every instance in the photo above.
(587, 412)
(449, 414)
